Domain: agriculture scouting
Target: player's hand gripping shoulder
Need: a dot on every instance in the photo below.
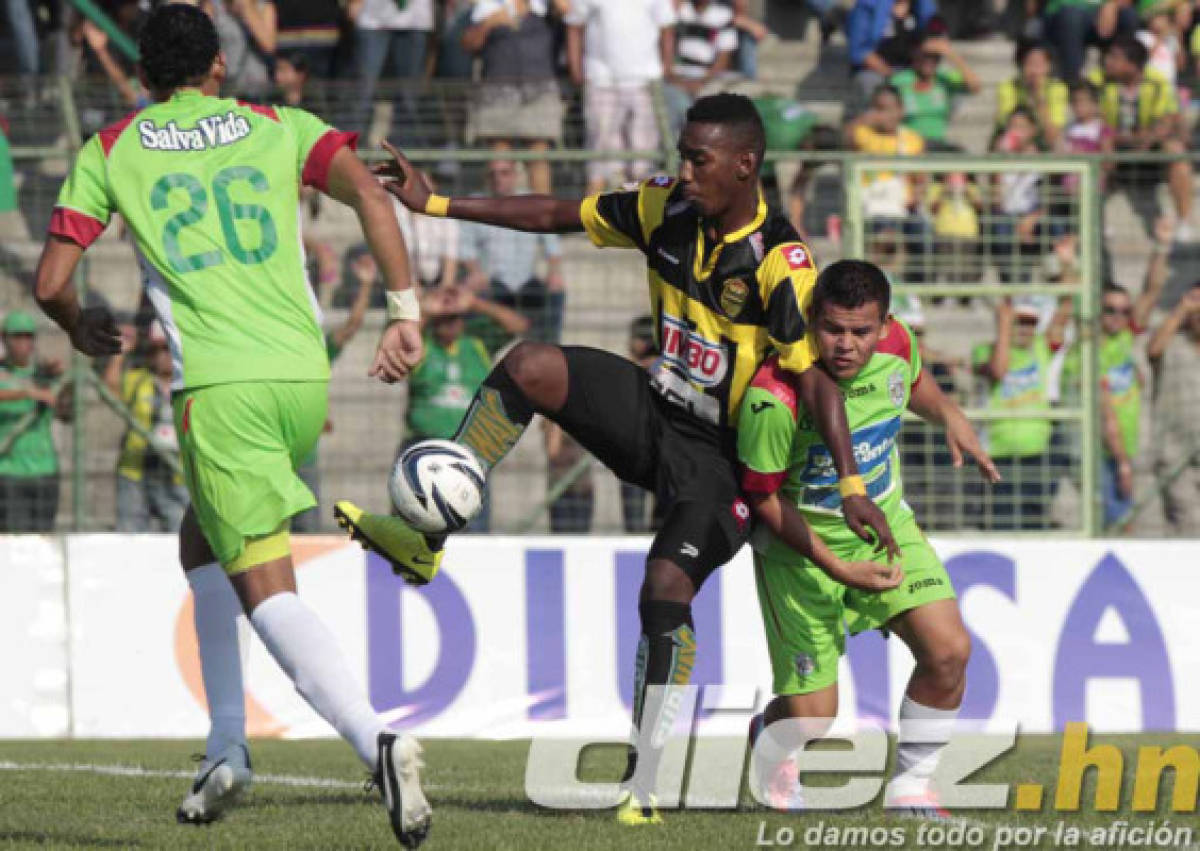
(403, 181)
(400, 350)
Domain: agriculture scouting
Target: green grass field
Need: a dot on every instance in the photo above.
(112, 794)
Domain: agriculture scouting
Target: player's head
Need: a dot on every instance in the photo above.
(721, 150)
(179, 47)
(1125, 58)
(850, 304)
(1116, 308)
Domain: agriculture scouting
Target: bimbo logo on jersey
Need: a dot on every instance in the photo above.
(213, 131)
(704, 361)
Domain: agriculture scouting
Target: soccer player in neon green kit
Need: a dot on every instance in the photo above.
(789, 479)
(209, 188)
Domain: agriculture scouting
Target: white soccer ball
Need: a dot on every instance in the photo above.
(437, 486)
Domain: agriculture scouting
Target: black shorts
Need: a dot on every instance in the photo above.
(616, 415)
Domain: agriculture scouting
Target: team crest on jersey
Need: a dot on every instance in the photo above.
(733, 296)
(806, 665)
(797, 257)
(896, 389)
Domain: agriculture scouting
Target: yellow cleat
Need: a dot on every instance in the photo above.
(635, 813)
(411, 553)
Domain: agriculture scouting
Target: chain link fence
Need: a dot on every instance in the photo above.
(959, 237)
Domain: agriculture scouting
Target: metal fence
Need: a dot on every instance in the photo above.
(948, 282)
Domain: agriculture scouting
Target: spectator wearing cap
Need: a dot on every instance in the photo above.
(1174, 352)
(1015, 368)
(616, 50)
(503, 263)
(1072, 25)
(928, 90)
(28, 405)
(1036, 88)
(518, 99)
(882, 36)
(150, 496)
(1143, 111)
(705, 42)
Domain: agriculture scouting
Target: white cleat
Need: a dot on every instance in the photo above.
(218, 785)
(399, 779)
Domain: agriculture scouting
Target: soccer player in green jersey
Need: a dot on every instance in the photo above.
(790, 481)
(209, 188)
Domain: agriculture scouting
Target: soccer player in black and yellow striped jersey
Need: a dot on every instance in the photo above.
(729, 281)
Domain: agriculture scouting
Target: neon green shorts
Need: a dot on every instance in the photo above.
(806, 614)
(240, 444)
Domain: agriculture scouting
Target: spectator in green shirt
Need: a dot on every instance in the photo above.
(1016, 368)
(28, 459)
(928, 90)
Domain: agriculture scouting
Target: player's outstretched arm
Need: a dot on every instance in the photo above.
(823, 399)
(400, 347)
(93, 330)
(788, 524)
(532, 213)
(929, 403)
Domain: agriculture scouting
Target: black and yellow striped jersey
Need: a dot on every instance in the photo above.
(718, 309)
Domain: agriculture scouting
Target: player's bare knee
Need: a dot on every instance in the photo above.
(540, 371)
(666, 581)
(946, 663)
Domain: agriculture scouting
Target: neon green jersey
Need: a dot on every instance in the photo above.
(780, 449)
(210, 189)
(1119, 376)
(1025, 386)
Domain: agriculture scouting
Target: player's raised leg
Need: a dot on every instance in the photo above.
(531, 378)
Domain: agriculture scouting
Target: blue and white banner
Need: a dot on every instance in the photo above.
(526, 635)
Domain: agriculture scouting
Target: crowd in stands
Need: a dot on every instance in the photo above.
(1089, 77)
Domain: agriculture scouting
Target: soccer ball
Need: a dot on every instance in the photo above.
(437, 486)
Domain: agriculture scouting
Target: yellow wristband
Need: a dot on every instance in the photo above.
(851, 486)
(437, 205)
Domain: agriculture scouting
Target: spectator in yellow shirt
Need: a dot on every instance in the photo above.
(1143, 110)
(1035, 88)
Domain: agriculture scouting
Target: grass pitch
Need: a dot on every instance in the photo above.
(113, 794)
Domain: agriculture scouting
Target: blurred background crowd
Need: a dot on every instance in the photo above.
(997, 245)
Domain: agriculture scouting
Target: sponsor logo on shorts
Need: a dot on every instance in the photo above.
(806, 665)
(797, 257)
(733, 296)
(741, 514)
(703, 361)
(670, 258)
(689, 550)
(928, 582)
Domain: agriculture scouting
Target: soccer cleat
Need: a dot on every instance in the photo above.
(218, 785)
(635, 812)
(922, 806)
(398, 776)
(413, 555)
(777, 786)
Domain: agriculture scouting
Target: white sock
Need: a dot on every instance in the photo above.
(924, 734)
(306, 650)
(217, 615)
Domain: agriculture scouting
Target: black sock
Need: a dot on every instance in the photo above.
(666, 657)
(496, 419)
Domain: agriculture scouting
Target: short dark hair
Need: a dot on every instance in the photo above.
(886, 89)
(738, 114)
(1027, 46)
(1131, 48)
(178, 44)
(850, 284)
(1087, 86)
